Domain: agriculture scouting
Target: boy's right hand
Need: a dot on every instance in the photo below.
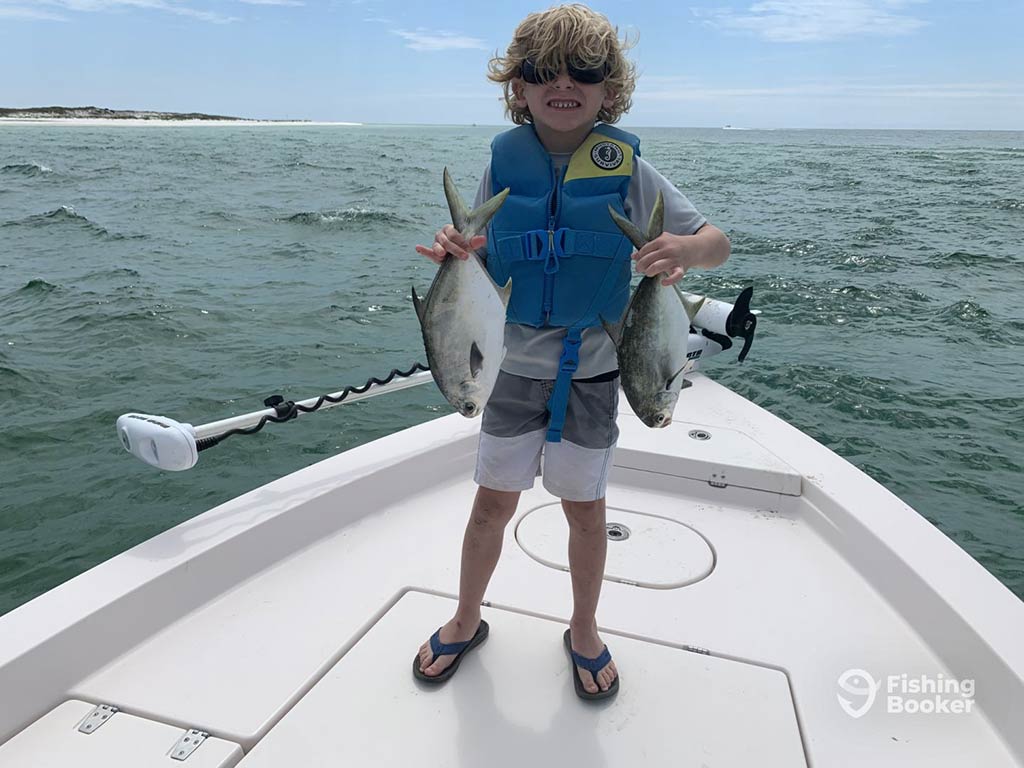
(449, 240)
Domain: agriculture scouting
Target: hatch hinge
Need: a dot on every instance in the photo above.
(188, 743)
(99, 715)
(695, 649)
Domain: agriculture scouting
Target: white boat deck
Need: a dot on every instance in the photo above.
(284, 622)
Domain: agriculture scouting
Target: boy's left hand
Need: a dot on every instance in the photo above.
(668, 253)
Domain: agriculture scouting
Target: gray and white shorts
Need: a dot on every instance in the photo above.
(515, 424)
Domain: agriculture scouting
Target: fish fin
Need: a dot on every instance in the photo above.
(506, 292)
(656, 225)
(676, 375)
(419, 304)
(629, 229)
(470, 223)
(476, 360)
(614, 331)
(692, 303)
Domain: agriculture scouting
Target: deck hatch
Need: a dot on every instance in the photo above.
(718, 456)
(657, 553)
(124, 741)
(511, 704)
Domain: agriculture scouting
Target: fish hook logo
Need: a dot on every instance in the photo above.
(860, 683)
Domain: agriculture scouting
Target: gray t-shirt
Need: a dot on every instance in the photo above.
(535, 352)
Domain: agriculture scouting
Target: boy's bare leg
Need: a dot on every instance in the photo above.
(588, 546)
(481, 546)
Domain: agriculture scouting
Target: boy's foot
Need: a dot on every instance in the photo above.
(587, 645)
(452, 632)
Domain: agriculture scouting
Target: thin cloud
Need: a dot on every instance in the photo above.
(28, 14)
(273, 2)
(430, 40)
(99, 6)
(801, 21)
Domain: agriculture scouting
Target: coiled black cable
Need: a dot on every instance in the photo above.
(286, 410)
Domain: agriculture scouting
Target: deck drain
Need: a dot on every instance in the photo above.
(700, 434)
(616, 531)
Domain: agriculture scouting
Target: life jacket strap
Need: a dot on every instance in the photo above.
(558, 403)
(536, 245)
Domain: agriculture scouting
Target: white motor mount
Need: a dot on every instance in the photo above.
(723, 320)
(160, 442)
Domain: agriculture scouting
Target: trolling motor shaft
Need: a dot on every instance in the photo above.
(167, 444)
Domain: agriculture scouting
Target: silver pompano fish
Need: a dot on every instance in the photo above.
(652, 336)
(463, 315)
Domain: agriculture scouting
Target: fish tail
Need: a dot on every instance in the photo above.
(470, 223)
(629, 229)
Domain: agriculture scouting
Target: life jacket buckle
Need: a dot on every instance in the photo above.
(555, 250)
(570, 359)
(535, 244)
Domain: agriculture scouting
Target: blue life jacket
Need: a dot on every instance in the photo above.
(553, 235)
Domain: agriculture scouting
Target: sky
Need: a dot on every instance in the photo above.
(913, 64)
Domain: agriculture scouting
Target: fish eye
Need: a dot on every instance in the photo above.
(469, 407)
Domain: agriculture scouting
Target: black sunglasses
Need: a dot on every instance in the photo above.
(530, 74)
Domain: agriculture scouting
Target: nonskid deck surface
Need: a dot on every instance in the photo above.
(513, 704)
(294, 657)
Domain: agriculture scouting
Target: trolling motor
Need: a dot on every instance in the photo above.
(175, 446)
(159, 441)
(717, 323)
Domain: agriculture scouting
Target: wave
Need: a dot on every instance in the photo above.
(965, 311)
(316, 166)
(66, 215)
(792, 301)
(1009, 204)
(37, 287)
(968, 259)
(892, 401)
(113, 273)
(27, 169)
(347, 218)
(32, 303)
(223, 216)
(867, 261)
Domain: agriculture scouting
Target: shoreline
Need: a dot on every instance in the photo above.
(129, 121)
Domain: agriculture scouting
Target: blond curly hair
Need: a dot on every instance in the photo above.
(554, 38)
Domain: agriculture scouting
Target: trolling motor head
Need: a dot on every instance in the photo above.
(160, 442)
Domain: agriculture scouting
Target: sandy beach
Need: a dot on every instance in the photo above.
(106, 121)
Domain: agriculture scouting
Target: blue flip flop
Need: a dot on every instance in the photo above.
(593, 666)
(444, 649)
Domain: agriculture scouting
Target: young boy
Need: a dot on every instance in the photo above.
(565, 79)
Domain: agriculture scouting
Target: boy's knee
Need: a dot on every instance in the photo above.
(584, 515)
(494, 508)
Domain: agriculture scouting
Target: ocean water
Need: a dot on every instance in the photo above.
(193, 271)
